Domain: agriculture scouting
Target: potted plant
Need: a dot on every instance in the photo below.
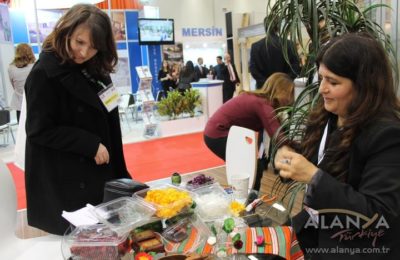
(172, 105)
(191, 100)
(176, 104)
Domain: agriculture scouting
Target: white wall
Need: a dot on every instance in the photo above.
(186, 13)
(208, 13)
(205, 14)
(208, 54)
(7, 55)
(256, 9)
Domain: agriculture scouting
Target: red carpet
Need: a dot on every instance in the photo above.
(151, 160)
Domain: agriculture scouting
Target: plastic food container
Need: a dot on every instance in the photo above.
(95, 242)
(123, 214)
(199, 181)
(212, 202)
(168, 200)
(197, 234)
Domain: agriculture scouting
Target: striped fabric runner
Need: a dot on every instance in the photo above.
(190, 244)
(279, 240)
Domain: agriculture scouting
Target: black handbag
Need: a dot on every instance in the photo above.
(121, 188)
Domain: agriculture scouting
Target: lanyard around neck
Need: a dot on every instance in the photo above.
(322, 144)
(91, 79)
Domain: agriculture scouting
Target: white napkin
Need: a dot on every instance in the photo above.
(81, 217)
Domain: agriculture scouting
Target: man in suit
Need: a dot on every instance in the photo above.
(230, 77)
(217, 68)
(201, 71)
(266, 58)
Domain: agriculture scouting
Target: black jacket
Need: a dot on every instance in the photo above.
(266, 60)
(226, 76)
(185, 79)
(201, 74)
(372, 188)
(65, 124)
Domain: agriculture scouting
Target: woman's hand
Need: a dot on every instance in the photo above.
(102, 155)
(278, 156)
(294, 166)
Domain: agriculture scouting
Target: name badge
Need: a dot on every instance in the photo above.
(109, 97)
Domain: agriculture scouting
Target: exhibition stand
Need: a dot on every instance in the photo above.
(211, 95)
(183, 125)
(211, 100)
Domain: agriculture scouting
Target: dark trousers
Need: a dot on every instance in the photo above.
(218, 147)
(261, 166)
(18, 115)
(227, 91)
(262, 163)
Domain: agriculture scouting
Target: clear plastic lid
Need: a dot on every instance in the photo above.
(199, 181)
(192, 234)
(169, 200)
(94, 242)
(124, 214)
(212, 202)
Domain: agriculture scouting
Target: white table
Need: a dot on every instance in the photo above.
(211, 95)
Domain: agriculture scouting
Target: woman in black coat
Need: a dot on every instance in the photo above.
(350, 156)
(74, 143)
(187, 76)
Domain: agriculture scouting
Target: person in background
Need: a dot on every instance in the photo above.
(250, 109)
(349, 156)
(266, 57)
(230, 78)
(175, 73)
(200, 69)
(164, 75)
(18, 72)
(211, 70)
(218, 68)
(187, 76)
(74, 142)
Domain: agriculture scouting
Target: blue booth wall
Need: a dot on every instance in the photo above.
(138, 55)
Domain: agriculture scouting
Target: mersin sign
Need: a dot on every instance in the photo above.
(201, 32)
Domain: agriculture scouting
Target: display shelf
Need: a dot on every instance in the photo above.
(146, 99)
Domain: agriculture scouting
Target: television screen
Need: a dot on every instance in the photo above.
(156, 31)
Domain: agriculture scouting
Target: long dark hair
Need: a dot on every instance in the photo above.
(363, 60)
(168, 67)
(188, 70)
(101, 35)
